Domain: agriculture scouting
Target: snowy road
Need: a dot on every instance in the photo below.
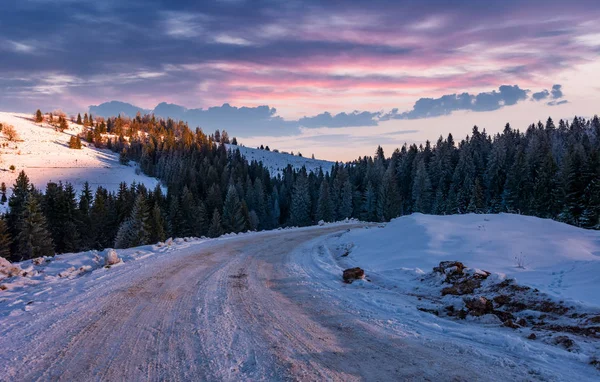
(245, 308)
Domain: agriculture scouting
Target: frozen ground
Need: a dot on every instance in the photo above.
(272, 306)
(45, 156)
(276, 162)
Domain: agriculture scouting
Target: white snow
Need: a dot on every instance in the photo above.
(277, 162)
(400, 294)
(559, 259)
(44, 155)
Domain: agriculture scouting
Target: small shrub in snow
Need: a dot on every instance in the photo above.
(111, 257)
(520, 261)
(321, 222)
(10, 133)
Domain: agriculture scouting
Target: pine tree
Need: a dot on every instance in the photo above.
(301, 203)
(233, 218)
(33, 239)
(324, 205)
(421, 192)
(62, 124)
(3, 193)
(5, 239)
(215, 229)
(39, 117)
(79, 122)
(135, 231)
(345, 210)
(388, 201)
(157, 225)
(16, 204)
(369, 209)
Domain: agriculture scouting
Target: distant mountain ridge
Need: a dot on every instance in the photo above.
(114, 108)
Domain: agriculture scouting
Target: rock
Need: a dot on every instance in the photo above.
(321, 222)
(565, 342)
(511, 324)
(594, 320)
(502, 299)
(38, 261)
(111, 257)
(464, 287)
(503, 316)
(532, 336)
(352, 274)
(522, 322)
(479, 306)
(452, 269)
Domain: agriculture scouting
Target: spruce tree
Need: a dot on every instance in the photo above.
(5, 239)
(135, 231)
(324, 205)
(369, 209)
(39, 117)
(301, 202)
(157, 225)
(79, 122)
(233, 218)
(345, 210)
(389, 203)
(215, 229)
(3, 193)
(33, 239)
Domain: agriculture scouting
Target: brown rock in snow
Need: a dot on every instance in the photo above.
(352, 274)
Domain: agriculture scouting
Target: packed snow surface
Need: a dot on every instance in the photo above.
(44, 154)
(276, 162)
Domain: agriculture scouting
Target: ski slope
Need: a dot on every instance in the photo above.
(43, 153)
(277, 162)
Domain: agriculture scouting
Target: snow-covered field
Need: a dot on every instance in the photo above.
(276, 162)
(44, 155)
(272, 305)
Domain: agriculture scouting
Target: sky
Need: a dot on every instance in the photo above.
(333, 78)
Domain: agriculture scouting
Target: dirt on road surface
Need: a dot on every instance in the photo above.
(235, 309)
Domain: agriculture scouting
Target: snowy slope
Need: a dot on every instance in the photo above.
(45, 156)
(276, 162)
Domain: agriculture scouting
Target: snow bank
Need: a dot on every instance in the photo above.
(556, 258)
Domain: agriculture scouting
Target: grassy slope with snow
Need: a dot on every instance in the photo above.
(276, 162)
(44, 155)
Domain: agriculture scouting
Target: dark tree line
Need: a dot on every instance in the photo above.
(548, 171)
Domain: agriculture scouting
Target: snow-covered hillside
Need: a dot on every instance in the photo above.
(44, 155)
(276, 162)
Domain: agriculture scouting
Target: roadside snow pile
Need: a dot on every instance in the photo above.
(558, 259)
(111, 257)
(22, 283)
(277, 162)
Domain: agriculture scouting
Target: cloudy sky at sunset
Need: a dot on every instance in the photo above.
(332, 78)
